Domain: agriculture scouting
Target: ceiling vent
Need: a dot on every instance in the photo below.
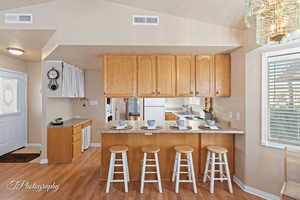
(145, 20)
(17, 18)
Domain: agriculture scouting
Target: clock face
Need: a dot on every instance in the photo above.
(53, 74)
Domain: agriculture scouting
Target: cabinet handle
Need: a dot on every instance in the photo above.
(217, 92)
(153, 93)
(191, 92)
(197, 92)
(158, 92)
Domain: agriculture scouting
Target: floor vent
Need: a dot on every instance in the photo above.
(145, 20)
(17, 18)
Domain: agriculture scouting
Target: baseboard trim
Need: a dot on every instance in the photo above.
(34, 145)
(95, 145)
(44, 161)
(254, 191)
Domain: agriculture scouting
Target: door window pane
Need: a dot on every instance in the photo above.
(8, 96)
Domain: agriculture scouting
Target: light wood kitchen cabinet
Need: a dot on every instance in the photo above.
(185, 75)
(120, 75)
(166, 75)
(170, 116)
(146, 76)
(204, 75)
(65, 143)
(222, 76)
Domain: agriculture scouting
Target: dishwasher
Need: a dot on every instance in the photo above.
(86, 138)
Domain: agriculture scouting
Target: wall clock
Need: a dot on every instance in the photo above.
(53, 75)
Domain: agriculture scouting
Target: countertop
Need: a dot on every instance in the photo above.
(70, 123)
(165, 128)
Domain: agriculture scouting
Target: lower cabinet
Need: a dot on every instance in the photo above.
(170, 116)
(65, 143)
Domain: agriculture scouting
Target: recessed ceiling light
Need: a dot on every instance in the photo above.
(15, 51)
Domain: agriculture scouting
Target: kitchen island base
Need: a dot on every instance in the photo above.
(166, 142)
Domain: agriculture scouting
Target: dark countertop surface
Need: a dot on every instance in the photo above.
(70, 123)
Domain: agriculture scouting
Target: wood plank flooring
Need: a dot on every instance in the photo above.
(81, 180)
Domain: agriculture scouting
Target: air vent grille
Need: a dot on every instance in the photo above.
(145, 20)
(17, 18)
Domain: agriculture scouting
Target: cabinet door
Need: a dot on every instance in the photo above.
(120, 75)
(166, 76)
(204, 75)
(185, 75)
(147, 76)
(222, 76)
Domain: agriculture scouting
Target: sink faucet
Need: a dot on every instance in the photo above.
(188, 108)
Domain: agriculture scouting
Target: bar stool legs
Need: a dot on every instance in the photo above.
(217, 153)
(189, 164)
(150, 149)
(110, 179)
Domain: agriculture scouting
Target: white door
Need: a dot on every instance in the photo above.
(13, 110)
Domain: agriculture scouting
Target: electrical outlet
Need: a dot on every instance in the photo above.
(238, 116)
(230, 115)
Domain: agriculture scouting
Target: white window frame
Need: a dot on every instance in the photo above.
(264, 98)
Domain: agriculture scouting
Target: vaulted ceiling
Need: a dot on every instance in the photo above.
(10, 4)
(222, 12)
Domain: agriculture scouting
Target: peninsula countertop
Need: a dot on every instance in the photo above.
(166, 127)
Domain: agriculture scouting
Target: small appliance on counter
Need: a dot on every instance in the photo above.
(57, 122)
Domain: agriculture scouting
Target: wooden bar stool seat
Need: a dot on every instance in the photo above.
(184, 149)
(187, 150)
(154, 149)
(151, 149)
(115, 162)
(217, 156)
(118, 149)
(217, 149)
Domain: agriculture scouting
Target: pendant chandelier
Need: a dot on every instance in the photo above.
(276, 21)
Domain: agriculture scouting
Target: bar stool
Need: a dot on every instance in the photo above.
(150, 149)
(189, 164)
(114, 150)
(212, 151)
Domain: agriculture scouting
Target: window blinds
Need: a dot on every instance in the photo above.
(284, 99)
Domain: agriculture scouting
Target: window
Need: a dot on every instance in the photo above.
(8, 96)
(281, 98)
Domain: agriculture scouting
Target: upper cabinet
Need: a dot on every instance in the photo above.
(146, 75)
(185, 75)
(222, 76)
(166, 69)
(167, 75)
(120, 75)
(204, 75)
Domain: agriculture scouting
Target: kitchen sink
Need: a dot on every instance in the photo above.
(184, 113)
(193, 118)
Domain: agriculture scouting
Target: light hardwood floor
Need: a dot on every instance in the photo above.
(80, 180)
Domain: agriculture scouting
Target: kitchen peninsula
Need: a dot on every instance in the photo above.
(166, 137)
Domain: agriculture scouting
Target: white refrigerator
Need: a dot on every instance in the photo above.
(154, 109)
